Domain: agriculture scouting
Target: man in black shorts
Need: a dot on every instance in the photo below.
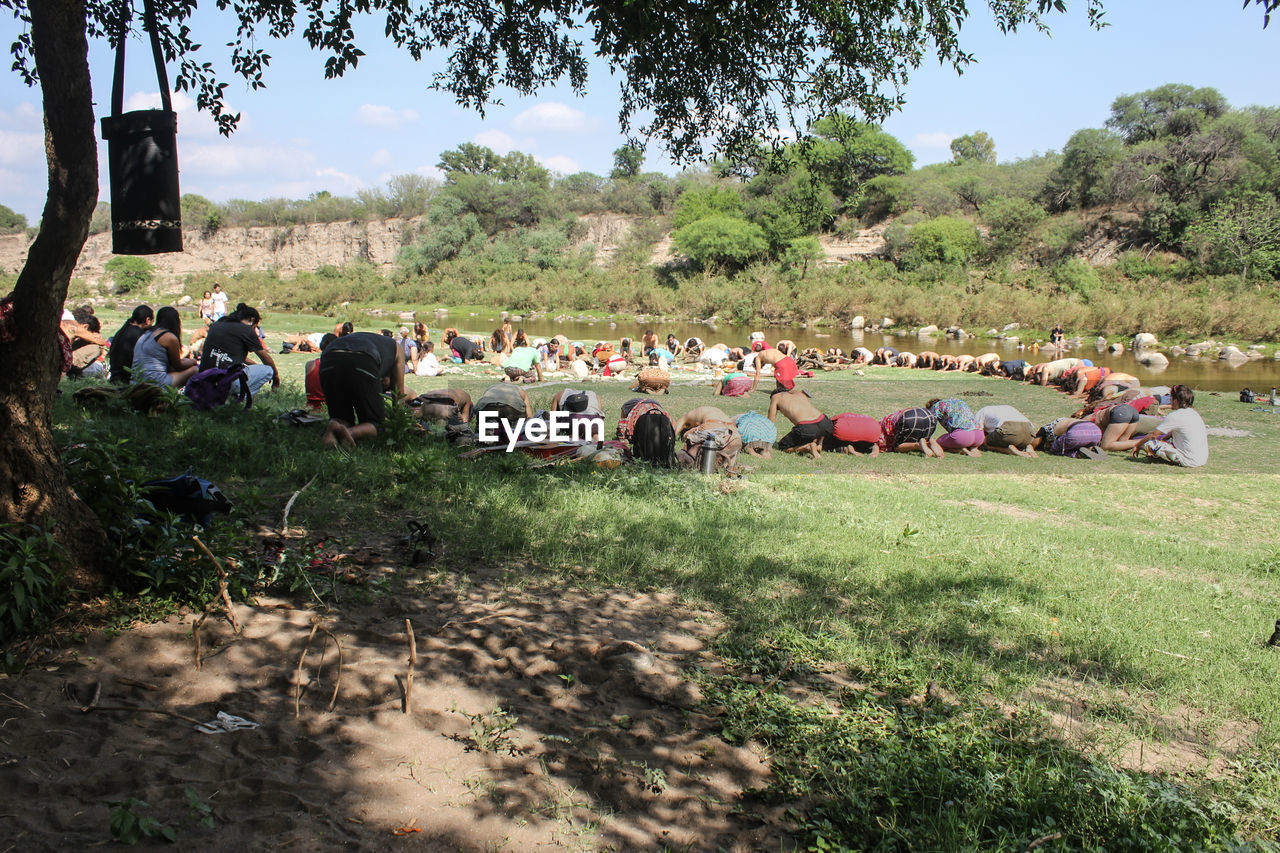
(812, 428)
(354, 371)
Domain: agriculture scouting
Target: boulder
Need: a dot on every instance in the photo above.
(186, 300)
(1008, 327)
(886, 323)
(1153, 360)
(1177, 351)
(1145, 340)
(580, 369)
(406, 317)
(1011, 339)
(1253, 355)
(1236, 359)
(859, 322)
(1100, 343)
(1117, 348)
(925, 331)
(1228, 352)
(992, 333)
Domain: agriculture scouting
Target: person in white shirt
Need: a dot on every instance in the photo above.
(428, 364)
(219, 301)
(1181, 438)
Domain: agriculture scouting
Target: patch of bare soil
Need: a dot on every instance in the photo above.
(1101, 720)
(539, 717)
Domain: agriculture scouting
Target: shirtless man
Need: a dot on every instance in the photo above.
(648, 342)
(785, 369)
(987, 362)
(812, 427)
(906, 359)
(786, 347)
(445, 404)
(704, 422)
(926, 360)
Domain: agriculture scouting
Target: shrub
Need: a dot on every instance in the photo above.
(946, 240)
(1011, 221)
(130, 273)
(28, 578)
(721, 241)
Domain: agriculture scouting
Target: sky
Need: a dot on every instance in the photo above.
(303, 134)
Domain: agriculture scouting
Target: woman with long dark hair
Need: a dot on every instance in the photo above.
(157, 357)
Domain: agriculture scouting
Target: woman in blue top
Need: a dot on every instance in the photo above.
(157, 356)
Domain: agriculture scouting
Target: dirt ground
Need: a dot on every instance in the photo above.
(540, 717)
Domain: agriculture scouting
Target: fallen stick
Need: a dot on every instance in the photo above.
(333, 701)
(297, 686)
(413, 661)
(1043, 840)
(284, 521)
(133, 682)
(195, 635)
(222, 584)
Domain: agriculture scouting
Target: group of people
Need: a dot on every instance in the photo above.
(354, 370)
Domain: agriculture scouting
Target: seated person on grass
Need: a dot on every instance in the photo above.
(233, 339)
(812, 428)
(909, 430)
(758, 434)
(708, 422)
(157, 356)
(1181, 438)
(962, 427)
(1006, 430)
(354, 371)
(120, 356)
(858, 435)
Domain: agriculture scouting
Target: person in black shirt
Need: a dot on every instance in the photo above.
(120, 358)
(465, 348)
(231, 340)
(354, 371)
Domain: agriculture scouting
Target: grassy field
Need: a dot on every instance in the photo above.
(936, 654)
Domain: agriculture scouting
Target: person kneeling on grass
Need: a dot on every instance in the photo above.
(524, 364)
(964, 430)
(445, 405)
(354, 371)
(758, 434)
(511, 405)
(708, 422)
(909, 430)
(857, 435)
(1181, 438)
(812, 428)
(1006, 430)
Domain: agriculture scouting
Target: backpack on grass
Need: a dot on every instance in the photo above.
(192, 497)
(210, 388)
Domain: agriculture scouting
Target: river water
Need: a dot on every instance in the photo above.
(1204, 373)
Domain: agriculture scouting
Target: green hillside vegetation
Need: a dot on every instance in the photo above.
(1167, 220)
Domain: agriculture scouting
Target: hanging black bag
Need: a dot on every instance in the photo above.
(142, 154)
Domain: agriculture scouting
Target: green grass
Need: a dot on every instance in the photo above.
(1145, 590)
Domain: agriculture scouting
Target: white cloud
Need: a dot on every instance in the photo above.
(25, 116)
(497, 140)
(384, 118)
(561, 164)
(933, 140)
(21, 148)
(342, 182)
(380, 159)
(554, 117)
(231, 159)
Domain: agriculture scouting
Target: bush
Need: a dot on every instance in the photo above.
(946, 240)
(130, 273)
(1011, 221)
(721, 241)
(29, 576)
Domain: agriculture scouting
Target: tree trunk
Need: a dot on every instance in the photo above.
(33, 482)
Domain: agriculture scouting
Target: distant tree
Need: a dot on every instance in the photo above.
(1241, 234)
(101, 219)
(976, 147)
(946, 240)
(1174, 109)
(708, 200)
(844, 154)
(469, 158)
(1083, 179)
(627, 162)
(410, 194)
(1010, 221)
(11, 221)
(720, 241)
(130, 274)
(800, 253)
